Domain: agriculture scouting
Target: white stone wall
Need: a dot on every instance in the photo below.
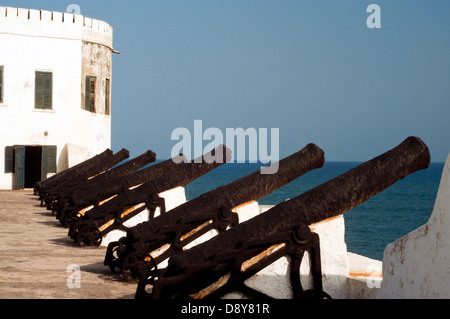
(333, 249)
(34, 40)
(418, 265)
(365, 277)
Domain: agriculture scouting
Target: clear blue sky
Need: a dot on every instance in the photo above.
(313, 69)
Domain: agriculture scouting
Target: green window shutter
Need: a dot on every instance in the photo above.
(89, 103)
(9, 159)
(48, 161)
(1, 84)
(48, 91)
(92, 95)
(87, 85)
(39, 91)
(20, 166)
(107, 94)
(44, 90)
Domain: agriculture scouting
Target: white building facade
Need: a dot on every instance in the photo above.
(55, 93)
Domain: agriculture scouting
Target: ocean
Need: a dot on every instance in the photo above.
(371, 226)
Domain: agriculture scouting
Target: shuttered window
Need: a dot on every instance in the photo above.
(107, 94)
(48, 161)
(1, 84)
(89, 103)
(44, 90)
(9, 159)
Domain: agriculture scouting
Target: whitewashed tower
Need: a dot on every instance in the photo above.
(55, 84)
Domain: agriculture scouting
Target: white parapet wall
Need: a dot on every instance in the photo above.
(418, 265)
(365, 277)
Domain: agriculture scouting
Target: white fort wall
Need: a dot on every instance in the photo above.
(36, 40)
(418, 265)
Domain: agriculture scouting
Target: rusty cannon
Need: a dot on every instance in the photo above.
(74, 205)
(223, 264)
(88, 175)
(90, 229)
(149, 244)
(39, 188)
(59, 196)
(100, 167)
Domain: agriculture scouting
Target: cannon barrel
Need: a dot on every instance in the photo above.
(333, 198)
(58, 195)
(86, 174)
(135, 179)
(100, 168)
(154, 171)
(248, 188)
(144, 196)
(212, 209)
(72, 171)
(57, 198)
(95, 194)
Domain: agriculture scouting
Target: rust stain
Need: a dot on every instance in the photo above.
(106, 200)
(195, 230)
(247, 264)
(325, 220)
(234, 210)
(89, 178)
(211, 288)
(133, 187)
(158, 252)
(84, 210)
(104, 226)
(132, 209)
(125, 213)
(358, 274)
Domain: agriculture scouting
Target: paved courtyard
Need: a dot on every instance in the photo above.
(35, 253)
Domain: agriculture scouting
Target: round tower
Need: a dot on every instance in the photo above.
(55, 93)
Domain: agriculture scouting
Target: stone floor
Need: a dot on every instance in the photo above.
(35, 253)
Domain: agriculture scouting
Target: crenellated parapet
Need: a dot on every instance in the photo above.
(51, 24)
